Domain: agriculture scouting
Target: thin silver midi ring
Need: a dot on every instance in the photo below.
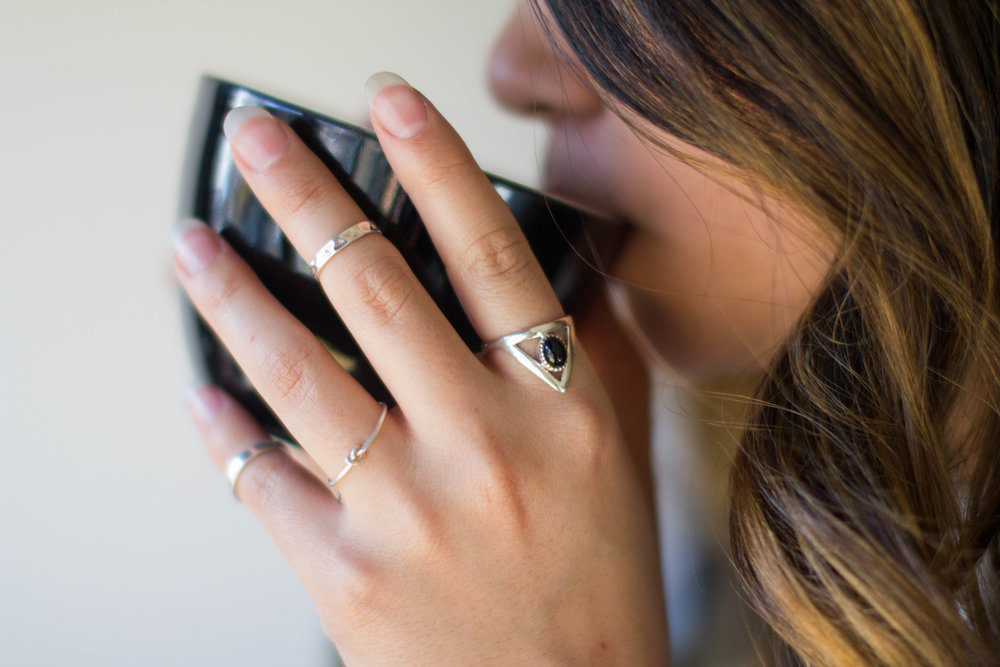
(552, 356)
(339, 242)
(357, 454)
(236, 465)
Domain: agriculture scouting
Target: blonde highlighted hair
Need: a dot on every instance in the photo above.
(865, 498)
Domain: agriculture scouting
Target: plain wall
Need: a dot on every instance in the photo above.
(119, 542)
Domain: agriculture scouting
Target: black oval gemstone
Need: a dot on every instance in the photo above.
(554, 352)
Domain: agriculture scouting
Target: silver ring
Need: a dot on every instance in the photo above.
(551, 358)
(339, 242)
(355, 456)
(235, 465)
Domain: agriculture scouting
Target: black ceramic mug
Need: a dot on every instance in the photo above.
(571, 245)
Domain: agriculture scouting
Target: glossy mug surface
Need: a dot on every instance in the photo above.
(569, 243)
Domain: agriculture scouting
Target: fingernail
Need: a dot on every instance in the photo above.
(255, 136)
(205, 400)
(399, 108)
(195, 245)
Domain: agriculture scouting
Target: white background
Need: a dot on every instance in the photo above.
(119, 543)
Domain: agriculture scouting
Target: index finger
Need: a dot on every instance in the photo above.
(490, 264)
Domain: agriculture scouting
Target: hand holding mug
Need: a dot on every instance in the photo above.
(491, 517)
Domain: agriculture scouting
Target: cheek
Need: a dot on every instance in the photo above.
(715, 276)
(716, 284)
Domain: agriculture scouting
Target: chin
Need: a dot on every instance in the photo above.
(688, 346)
(579, 180)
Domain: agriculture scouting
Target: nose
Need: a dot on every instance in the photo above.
(528, 74)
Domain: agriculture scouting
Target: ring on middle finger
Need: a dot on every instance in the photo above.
(339, 242)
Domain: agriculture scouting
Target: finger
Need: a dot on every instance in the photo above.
(496, 276)
(396, 323)
(294, 507)
(310, 392)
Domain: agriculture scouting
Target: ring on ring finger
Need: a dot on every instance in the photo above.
(356, 455)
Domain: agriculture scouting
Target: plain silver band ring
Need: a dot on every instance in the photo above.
(236, 465)
(339, 242)
(355, 456)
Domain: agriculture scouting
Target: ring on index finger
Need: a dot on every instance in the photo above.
(552, 356)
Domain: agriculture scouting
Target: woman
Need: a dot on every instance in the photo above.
(813, 188)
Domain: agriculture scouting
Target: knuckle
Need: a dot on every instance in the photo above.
(500, 256)
(358, 599)
(260, 483)
(585, 424)
(383, 289)
(290, 372)
(433, 176)
(587, 414)
(224, 287)
(358, 594)
(498, 490)
(301, 197)
(225, 292)
(422, 526)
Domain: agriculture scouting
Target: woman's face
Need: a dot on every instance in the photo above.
(714, 281)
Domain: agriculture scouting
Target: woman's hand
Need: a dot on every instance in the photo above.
(493, 519)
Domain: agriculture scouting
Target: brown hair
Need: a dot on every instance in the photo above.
(865, 498)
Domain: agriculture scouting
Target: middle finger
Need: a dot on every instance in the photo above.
(396, 323)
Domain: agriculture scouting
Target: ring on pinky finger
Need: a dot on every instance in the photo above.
(236, 464)
(292, 504)
(236, 441)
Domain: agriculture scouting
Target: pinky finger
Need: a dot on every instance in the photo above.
(297, 509)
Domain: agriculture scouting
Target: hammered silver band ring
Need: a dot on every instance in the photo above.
(339, 242)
